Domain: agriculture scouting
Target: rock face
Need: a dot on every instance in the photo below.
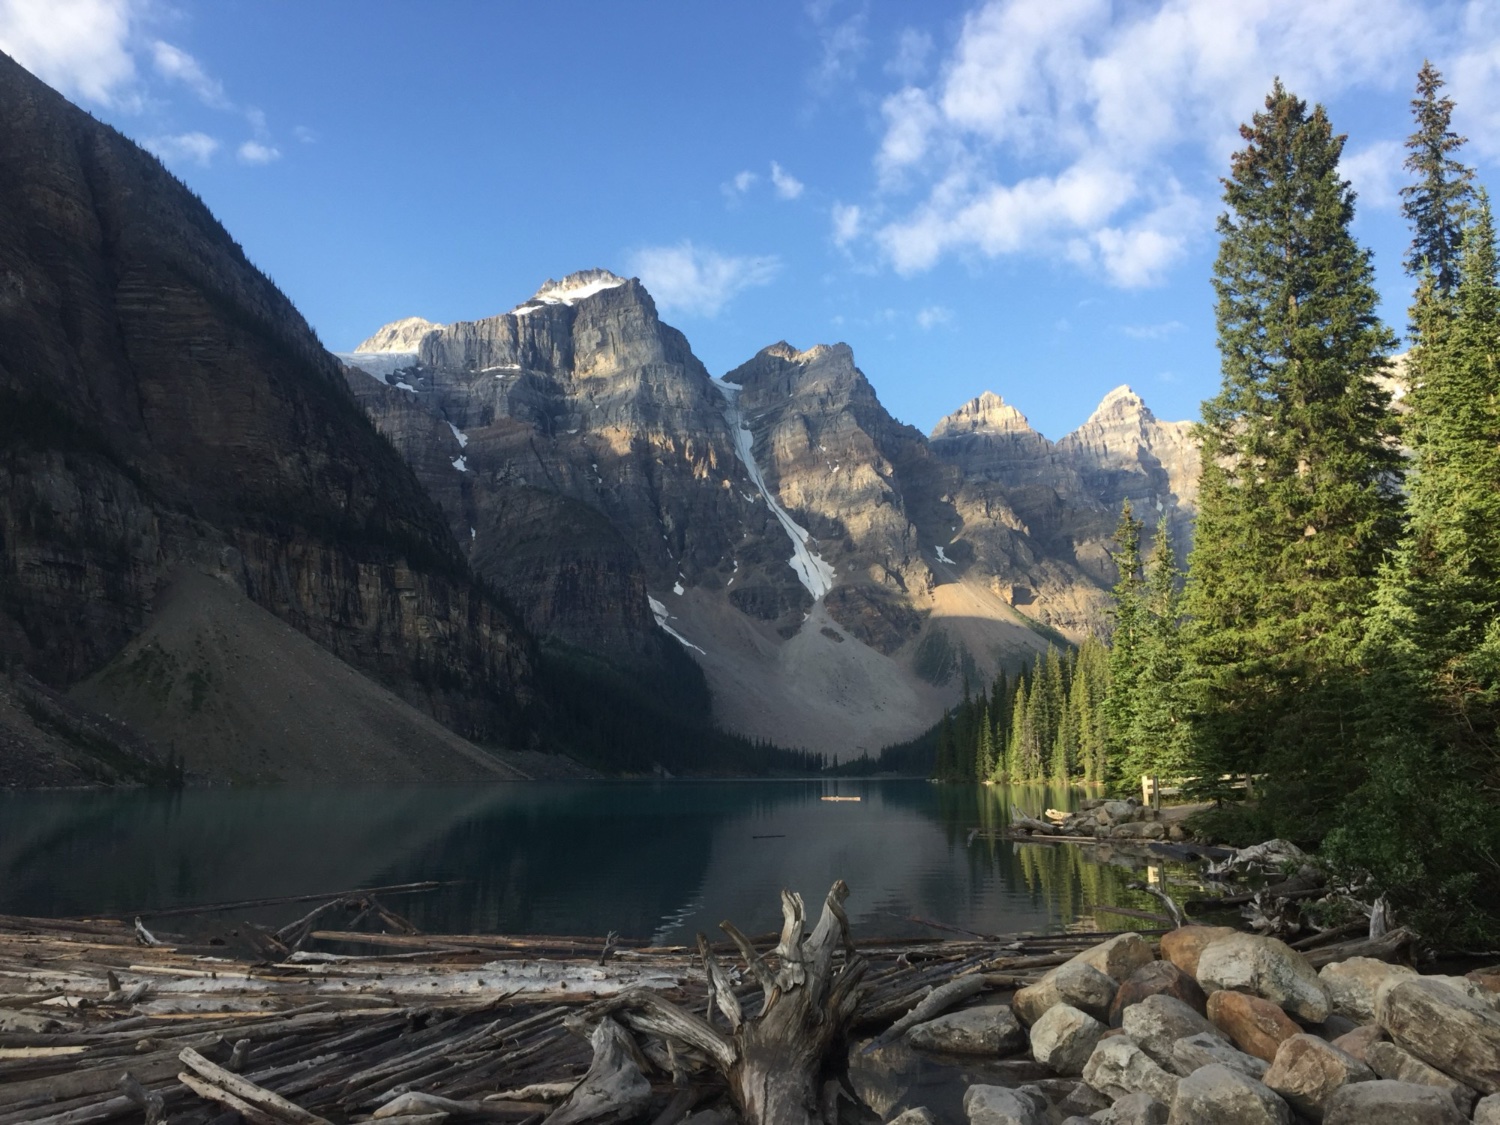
(164, 406)
(834, 572)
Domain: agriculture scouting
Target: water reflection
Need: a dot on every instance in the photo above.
(648, 859)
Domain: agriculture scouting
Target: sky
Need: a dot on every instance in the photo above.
(987, 195)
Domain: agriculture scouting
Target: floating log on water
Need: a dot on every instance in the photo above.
(840, 798)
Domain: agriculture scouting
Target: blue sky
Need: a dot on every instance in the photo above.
(1000, 195)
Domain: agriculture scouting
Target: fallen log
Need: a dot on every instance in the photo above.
(274, 1105)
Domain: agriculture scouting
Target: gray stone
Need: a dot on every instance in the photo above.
(1453, 1032)
(1139, 830)
(1308, 1070)
(1216, 1095)
(1119, 1067)
(920, 1115)
(1031, 1002)
(1352, 985)
(1080, 984)
(990, 1030)
(1391, 1103)
(1083, 1101)
(1390, 1060)
(995, 1105)
(1134, 1109)
(1120, 956)
(1487, 1111)
(1157, 1022)
(1064, 1038)
(1208, 1049)
(1268, 968)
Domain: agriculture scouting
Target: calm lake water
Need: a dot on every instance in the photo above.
(656, 860)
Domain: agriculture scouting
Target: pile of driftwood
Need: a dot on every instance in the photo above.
(110, 1020)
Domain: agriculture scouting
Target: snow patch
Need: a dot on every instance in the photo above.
(942, 558)
(677, 589)
(461, 463)
(406, 387)
(501, 367)
(659, 611)
(461, 437)
(473, 534)
(576, 287)
(812, 571)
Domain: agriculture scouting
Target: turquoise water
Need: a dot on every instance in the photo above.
(656, 860)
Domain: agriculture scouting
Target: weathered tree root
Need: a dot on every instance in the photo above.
(781, 1065)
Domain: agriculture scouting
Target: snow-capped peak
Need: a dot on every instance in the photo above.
(575, 287)
(403, 336)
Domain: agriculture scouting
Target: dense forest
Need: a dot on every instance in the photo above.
(1337, 632)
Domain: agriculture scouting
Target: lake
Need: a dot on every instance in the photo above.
(649, 859)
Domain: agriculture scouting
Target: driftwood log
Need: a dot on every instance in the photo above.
(781, 1065)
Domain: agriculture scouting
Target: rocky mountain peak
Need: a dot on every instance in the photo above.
(404, 335)
(575, 287)
(987, 414)
(1121, 403)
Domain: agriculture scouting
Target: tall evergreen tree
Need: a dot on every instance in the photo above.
(1436, 203)
(1089, 690)
(1298, 496)
(1157, 732)
(1119, 703)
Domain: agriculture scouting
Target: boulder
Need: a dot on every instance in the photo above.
(1265, 967)
(921, 1115)
(1083, 1101)
(1257, 1027)
(1390, 1061)
(1031, 1002)
(1119, 957)
(1085, 987)
(1334, 1026)
(1307, 1071)
(1205, 1050)
(1117, 812)
(1216, 1095)
(1118, 1067)
(1457, 1034)
(1360, 1040)
(995, 1105)
(1487, 1111)
(1159, 1021)
(990, 1030)
(1134, 1109)
(1064, 1038)
(1139, 830)
(1352, 985)
(1390, 1103)
(1159, 978)
(1184, 945)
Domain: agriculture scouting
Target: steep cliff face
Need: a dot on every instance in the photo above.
(1042, 514)
(164, 406)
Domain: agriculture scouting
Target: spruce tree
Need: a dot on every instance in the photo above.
(1119, 703)
(1436, 203)
(1299, 492)
(1157, 732)
(984, 758)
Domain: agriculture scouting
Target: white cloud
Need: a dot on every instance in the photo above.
(738, 187)
(184, 148)
(932, 316)
(1054, 129)
(847, 222)
(787, 185)
(913, 49)
(1152, 331)
(179, 66)
(254, 152)
(1376, 172)
(843, 44)
(1474, 77)
(79, 46)
(305, 135)
(696, 280)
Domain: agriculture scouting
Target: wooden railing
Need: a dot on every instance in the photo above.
(1153, 789)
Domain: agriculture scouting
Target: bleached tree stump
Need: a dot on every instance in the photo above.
(781, 1065)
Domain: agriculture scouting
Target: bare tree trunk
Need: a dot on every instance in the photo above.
(779, 1063)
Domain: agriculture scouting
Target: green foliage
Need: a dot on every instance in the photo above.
(1119, 702)
(1435, 205)
(1157, 739)
(1298, 498)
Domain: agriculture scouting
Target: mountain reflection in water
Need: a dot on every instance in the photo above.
(659, 859)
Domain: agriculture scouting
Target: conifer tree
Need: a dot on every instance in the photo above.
(1437, 202)
(1298, 496)
(1119, 703)
(984, 758)
(943, 767)
(1157, 733)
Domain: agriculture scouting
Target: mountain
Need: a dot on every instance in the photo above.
(167, 412)
(834, 573)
